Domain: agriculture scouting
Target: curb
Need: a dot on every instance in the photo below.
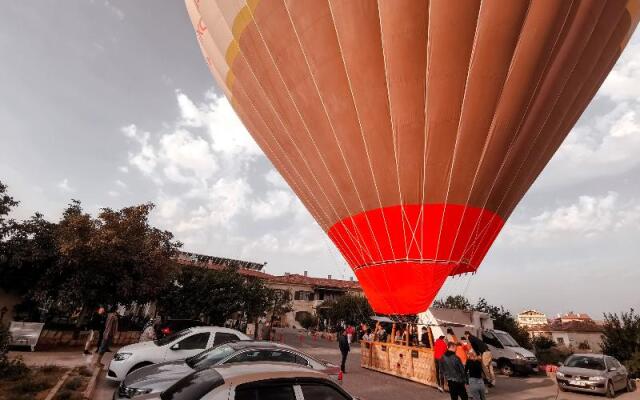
(91, 386)
(58, 385)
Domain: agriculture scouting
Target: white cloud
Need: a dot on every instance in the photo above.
(589, 217)
(65, 187)
(121, 184)
(622, 82)
(607, 146)
(124, 169)
(275, 204)
(274, 178)
(145, 159)
(229, 136)
(186, 157)
(113, 193)
(117, 12)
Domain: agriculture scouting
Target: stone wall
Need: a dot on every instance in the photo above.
(50, 339)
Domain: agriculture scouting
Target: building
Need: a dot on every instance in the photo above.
(532, 318)
(307, 293)
(573, 317)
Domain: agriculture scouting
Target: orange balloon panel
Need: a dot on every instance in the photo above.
(411, 129)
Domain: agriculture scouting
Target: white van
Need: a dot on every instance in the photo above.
(508, 355)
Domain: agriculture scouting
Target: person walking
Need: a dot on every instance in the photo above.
(482, 350)
(474, 369)
(110, 330)
(343, 344)
(350, 331)
(454, 373)
(439, 348)
(96, 325)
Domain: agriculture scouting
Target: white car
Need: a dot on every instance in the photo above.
(254, 380)
(178, 346)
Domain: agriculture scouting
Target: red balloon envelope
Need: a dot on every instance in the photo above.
(411, 129)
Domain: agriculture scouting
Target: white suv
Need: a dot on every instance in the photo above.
(178, 346)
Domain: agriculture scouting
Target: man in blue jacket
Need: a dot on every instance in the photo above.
(343, 344)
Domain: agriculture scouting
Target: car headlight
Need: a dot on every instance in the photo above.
(519, 356)
(560, 374)
(596, 378)
(121, 356)
(132, 392)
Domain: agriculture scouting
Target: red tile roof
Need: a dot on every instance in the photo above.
(291, 279)
(297, 279)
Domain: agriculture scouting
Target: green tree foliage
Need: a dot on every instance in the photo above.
(308, 321)
(196, 291)
(505, 321)
(621, 338)
(502, 319)
(114, 258)
(542, 343)
(350, 309)
(458, 302)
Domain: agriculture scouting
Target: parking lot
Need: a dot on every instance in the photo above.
(371, 385)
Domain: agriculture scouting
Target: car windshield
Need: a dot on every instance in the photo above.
(587, 362)
(210, 357)
(506, 339)
(171, 338)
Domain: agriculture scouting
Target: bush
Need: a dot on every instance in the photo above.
(542, 343)
(308, 321)
(50, 368)
(73, 383)
(32, 384)
(84, 371)
(13, 369)
(66, 394)
(553, 355)
(633, 365)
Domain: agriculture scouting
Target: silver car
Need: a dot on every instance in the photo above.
(248, 381)
(158, 377)
(593, 373)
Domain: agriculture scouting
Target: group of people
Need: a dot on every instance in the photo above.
(461, 363)
(104, 323)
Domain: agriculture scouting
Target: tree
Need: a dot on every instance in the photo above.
(195, 291)
(504, 321)
(542, 343)
(621, 336)
(458, 302)
(350, 309)
(6, 204)
(116, 258)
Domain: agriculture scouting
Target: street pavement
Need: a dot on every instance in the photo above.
(371, 385)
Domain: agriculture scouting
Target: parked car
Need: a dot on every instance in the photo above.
(178, 346)
(172, 326)
(247, 381)
(508, 355)
(158, 377)
(593, 373)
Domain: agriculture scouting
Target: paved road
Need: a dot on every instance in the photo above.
(371, 385)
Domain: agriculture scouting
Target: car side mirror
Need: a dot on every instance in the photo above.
(175, 347)
(560, 364)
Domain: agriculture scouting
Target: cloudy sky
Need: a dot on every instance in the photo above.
(110, 102)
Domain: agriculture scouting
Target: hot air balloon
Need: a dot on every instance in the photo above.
(410, 129)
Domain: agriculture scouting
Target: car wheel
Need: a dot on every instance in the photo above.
(611, 391)
(506, 368)
(631, 386)
(138, 366)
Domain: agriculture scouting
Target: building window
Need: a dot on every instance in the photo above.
(303, 295)
(560, 340)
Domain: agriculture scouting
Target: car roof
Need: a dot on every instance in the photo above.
(216, 329)
(259, 344)
(594, 355)
(238, 373)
